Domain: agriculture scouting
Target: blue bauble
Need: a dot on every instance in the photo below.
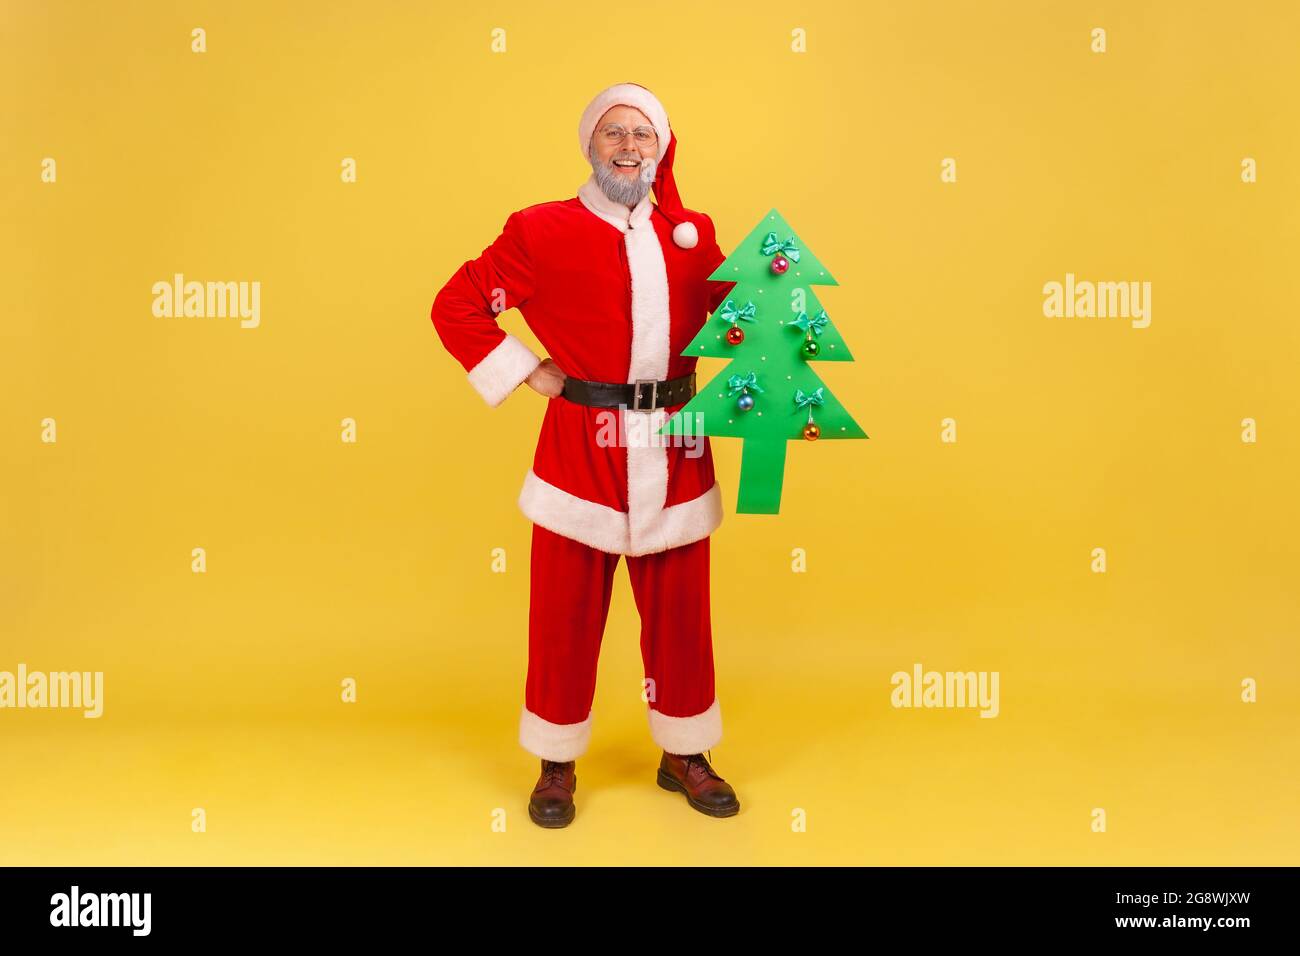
(745, 402)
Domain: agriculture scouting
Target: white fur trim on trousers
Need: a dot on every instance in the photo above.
(558, 742)
(687, 735)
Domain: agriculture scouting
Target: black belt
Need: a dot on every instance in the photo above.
(640, 396)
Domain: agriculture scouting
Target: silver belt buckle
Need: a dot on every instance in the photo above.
(636, 394)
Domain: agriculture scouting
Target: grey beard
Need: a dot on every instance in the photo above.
(617, 188)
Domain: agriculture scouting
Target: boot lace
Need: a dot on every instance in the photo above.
(554, 772)
(700, 761)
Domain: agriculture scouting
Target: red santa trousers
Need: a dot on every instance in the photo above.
(571, 586)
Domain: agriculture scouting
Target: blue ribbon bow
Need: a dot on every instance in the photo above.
(807, 400)
(817, 323)
(772, 245)
(739, 383)
(730, 313)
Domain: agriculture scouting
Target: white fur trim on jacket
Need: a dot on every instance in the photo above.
(608, 529)
(503, 369)
(687, 735)
(558, 742)
(645, 259)
(614, 213)
(650, 526)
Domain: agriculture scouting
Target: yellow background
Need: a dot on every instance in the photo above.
(373, 561)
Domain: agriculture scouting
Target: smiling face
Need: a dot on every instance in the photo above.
(626, 160)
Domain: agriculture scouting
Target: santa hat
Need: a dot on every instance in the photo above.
(665, 187)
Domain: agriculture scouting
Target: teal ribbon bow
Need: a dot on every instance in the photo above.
(807, 400)
(772, 245)
(817, 323)
(730, 313)
(739, 383)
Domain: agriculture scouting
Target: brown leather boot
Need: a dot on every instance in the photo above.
(705, 790)
(551, 804)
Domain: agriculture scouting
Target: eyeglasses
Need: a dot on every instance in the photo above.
(644, 135)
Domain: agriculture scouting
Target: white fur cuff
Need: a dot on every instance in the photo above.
(687, 735)
(558, 742)
(502, 370)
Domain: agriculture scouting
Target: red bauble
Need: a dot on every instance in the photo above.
(780, 264)
(811, 431)
(735, 335)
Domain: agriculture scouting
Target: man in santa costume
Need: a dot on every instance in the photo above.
(614, 287)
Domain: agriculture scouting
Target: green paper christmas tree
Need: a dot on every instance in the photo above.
(771, 327)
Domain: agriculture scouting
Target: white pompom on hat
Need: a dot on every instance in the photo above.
(668, 200)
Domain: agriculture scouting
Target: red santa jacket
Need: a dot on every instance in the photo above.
(612, 298)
